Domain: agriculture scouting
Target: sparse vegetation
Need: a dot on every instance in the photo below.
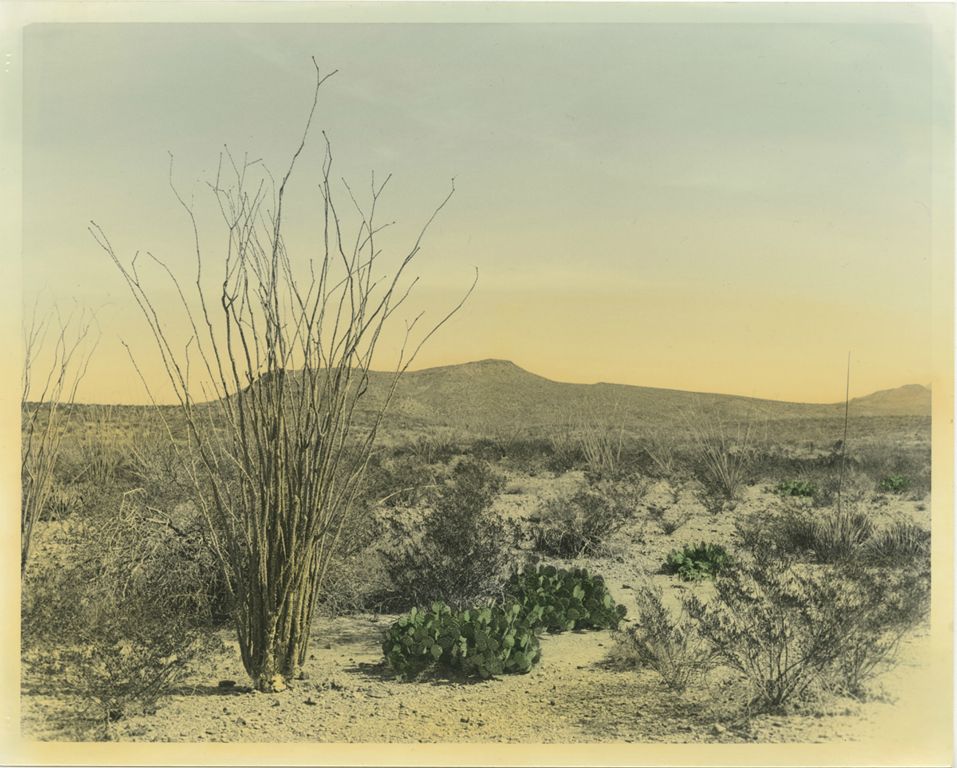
(125, 618)
(721, 460)
(894, 484)
(790, 629)
(46, 407)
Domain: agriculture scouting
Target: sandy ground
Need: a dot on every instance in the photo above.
(575, 694)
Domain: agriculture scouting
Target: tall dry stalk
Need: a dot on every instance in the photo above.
(723, 456)
(600, 445)
(276, 455)
(46, 406)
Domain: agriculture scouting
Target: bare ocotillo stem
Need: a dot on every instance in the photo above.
(46, 407)
(847, 403)
(279, 358)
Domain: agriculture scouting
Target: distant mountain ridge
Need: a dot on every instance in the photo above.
(498, 394)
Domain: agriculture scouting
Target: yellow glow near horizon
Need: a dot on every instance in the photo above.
(710, 207)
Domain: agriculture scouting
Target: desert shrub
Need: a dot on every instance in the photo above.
(64, 501)
(459, 552)
(841, 534)
(770, 624)
(881, 605)
(566, 454)
(524, 454)
(660, 457)
(833, 535)
(790, 629)
(123, 619)
(855, 486)
(776, 531)
(701, 561)
(720, 461)
(434, 449)
(894, 484)
(482, 642)
(356, 577)
(902, 543)
(581, 523)
(668, 523)
(559, 600)
(800, 488)
(896, 468)
(669, 645)
(402, 480)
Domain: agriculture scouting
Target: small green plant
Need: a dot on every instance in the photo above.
(560, 600)
(483, 642)
(894, 484)
(800, 488)
(702, 561)
(671, 524)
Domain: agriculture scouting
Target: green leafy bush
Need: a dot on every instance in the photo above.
(800, 488)
(482, 642)
(561, 600)
(702, 561)
(894, 484)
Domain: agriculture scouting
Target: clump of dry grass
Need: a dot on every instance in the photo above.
(721, 458)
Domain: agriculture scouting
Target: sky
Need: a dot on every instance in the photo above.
(713, 207)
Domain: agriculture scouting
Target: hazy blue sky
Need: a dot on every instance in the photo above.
(717, 207)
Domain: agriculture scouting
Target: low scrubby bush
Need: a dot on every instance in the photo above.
(902, 543)
(721, 460)
(559, 600)
(401, 480)
(460, 552)
(788, 629)
(668, 644)
(581, 524)
(482, 642)
(701, 561)
(121, 619)
(830, 536)
(841, 534)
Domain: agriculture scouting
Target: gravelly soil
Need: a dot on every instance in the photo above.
(573, 695)
(578, 693)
